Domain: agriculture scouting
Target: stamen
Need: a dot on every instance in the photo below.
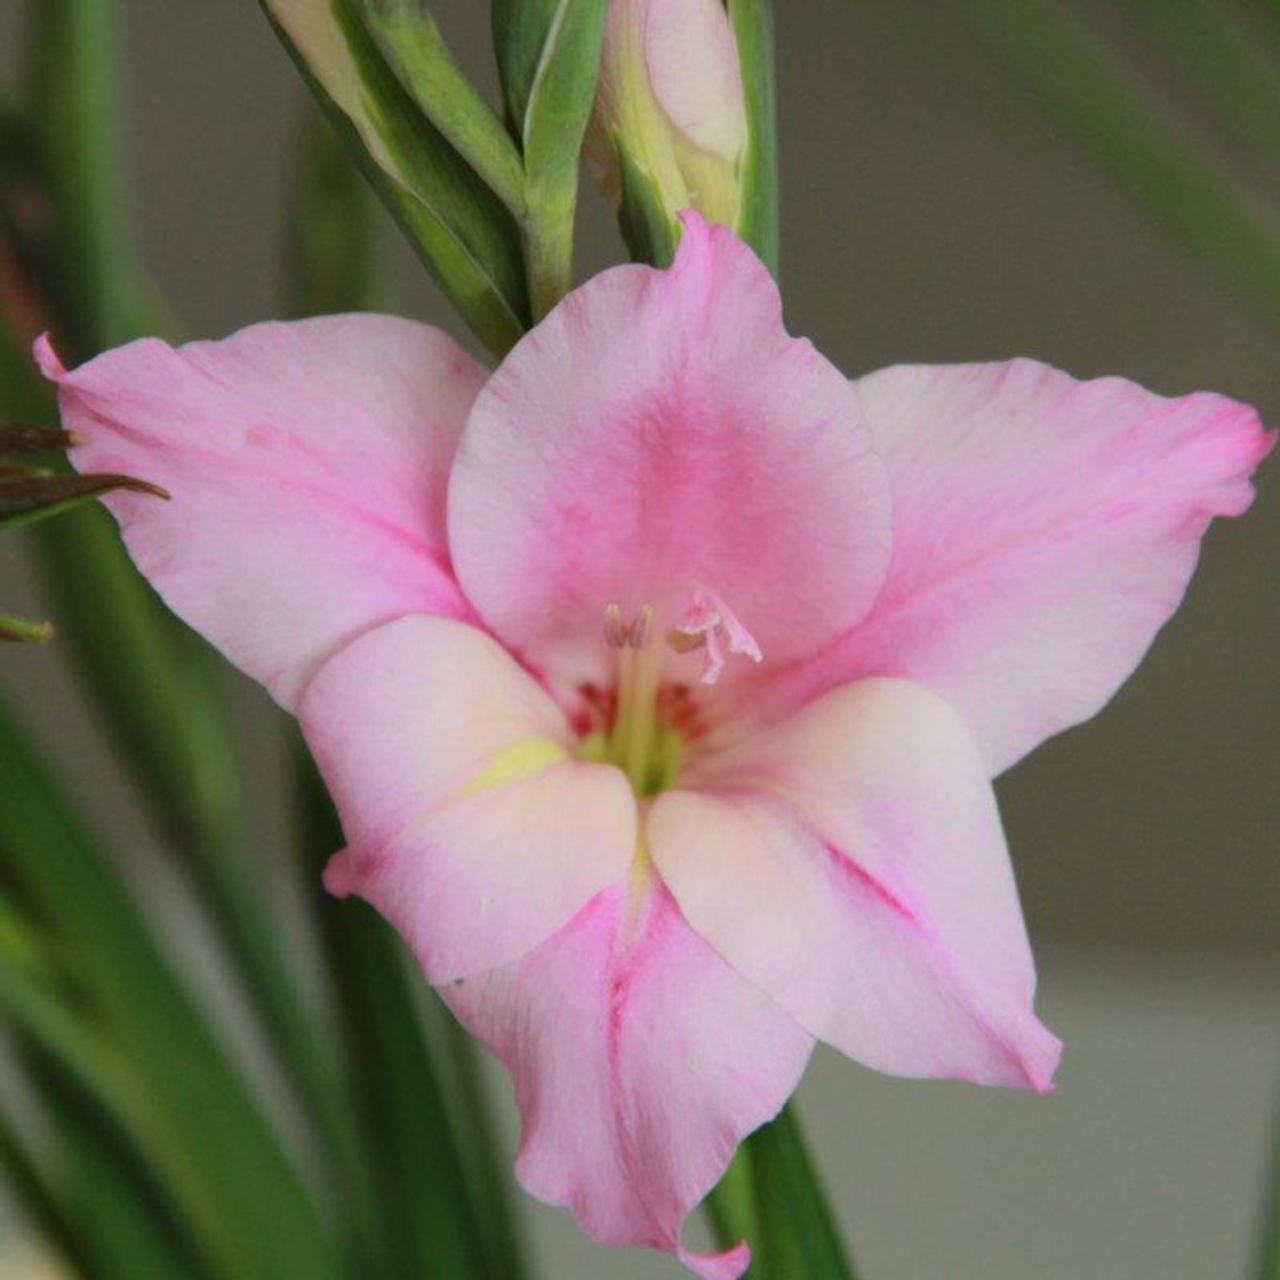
(685, 641)
(641, 625)
(615, 631)
(709, 624)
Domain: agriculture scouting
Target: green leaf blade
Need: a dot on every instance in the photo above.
(758, 219)
(267, 1225)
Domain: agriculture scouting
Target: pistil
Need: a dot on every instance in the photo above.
(639, 742)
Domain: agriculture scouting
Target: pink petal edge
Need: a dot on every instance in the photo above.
(307, 464)
(453, 773)
(640, 1060)
(1044, 529)
(850, 863)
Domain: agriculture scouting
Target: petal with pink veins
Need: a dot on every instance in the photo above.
(640, 1060)
(849, 862)
(1044, 529)
(307, 465)
(659, 433)
(471, 826)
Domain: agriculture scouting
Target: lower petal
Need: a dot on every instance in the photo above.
(640, 1060)
(471, 826)
(850, 863)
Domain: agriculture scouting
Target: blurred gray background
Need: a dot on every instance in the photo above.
(929, 215)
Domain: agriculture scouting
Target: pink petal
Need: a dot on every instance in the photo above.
(658, 434)
(692, 62)
(640, 1060)
(850, 863)
(1044, 530)
(471, 826)
(307, 464)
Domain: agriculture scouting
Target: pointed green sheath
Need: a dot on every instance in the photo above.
(461, 230)
(412, 44)
(642, 217)
(519, 35)
(556, 111)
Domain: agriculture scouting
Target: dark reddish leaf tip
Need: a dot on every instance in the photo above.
(22, 437)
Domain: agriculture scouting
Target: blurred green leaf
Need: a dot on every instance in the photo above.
(462, 232)
(413, 46)
(431, 1214)
(331, 242)
(90, 1191)
(160, 691)
(772, 1196)
(100, 1096)
(730, 1208)
(21, 631)
(1217, 53)
(259, 1219)
(39, 1198)
(752, 22)
(1054, 56)
(71, 91)
(556, 111)
(796, 1234)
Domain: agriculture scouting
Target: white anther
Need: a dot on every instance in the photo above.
(641, 625)
(615, 632)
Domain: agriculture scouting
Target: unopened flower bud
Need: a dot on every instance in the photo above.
(670, 107)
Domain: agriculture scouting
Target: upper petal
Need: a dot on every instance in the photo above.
(640, 1060)
(1044, 529)
(850, 862)
(471, 827)
(307, 464)
(660, 431)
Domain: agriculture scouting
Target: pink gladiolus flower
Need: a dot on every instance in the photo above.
(660, 675)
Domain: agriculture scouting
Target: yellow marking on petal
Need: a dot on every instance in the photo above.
(520, 760)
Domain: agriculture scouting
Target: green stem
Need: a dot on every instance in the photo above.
(773, 1196)
(548, 252)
